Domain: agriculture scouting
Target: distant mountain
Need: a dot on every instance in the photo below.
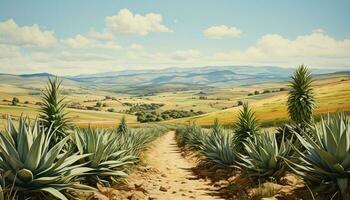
(36, 75)
(145, 82)
(209, 76)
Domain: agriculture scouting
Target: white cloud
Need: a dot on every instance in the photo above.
(136, 47)
(27, 36)
(7, 51)
(103, 36)
(218, 32)
(108, 45)
(127, 23)
(316, 48)
(186, 54)
(77, 42)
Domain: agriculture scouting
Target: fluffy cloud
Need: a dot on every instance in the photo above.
(127, 23)
(222, 31)
(103, 36)
(77, 42)
(186, 54)
(316, 48)
(27, 36)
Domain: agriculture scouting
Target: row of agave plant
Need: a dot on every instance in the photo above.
(318, 152)
(49, 158)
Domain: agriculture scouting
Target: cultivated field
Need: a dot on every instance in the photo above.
(332, 93)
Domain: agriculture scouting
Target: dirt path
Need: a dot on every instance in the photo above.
(168, 175)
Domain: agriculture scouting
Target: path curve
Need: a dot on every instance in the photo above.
(168, 174)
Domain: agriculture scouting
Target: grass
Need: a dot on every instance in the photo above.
(331, 94)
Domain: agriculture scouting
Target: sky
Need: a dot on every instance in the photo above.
(84, 36)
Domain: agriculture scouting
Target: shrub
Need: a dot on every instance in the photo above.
(325, 164)
(34, 169)
(256, 92)
(15, 101)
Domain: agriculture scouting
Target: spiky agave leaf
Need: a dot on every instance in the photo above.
(246, 126)
(218, 148)
(123, 126)
(32, 167)
(301, 99)
(325, 164)
(107, 158)
(264, 157)
(190, 137)
(52, 110)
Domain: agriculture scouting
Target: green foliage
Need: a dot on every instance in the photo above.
(123, 127)
(15, 101)
(111, 154)
(190, 137)
(263, 157)
(106, 156)
(325, 164)
(301, 99)
(214, 147)
(166, 115)
(246, 126)
(52, 110)
(31, 168)
(218, 147)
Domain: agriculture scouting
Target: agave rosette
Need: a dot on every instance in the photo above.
(325, 163)
(31, 167)
(264, 157)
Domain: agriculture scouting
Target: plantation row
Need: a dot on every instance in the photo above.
(50, 158)
(316, 152)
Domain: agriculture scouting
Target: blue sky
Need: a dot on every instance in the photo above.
(61, 36)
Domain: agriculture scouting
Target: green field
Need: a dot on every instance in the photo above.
(332, 93)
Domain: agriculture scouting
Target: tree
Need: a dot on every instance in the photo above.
(245, 127)
(52, 110)
(301, 100)
(98, 104)
(15, 101)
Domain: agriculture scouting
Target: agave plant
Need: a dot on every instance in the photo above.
(123, 127)
(218, 148)
(31, 168)
(190, 137)
(325, 164)
(107, 158)
(52, 110)
(301, 99)
(245, 128)
(264, 157)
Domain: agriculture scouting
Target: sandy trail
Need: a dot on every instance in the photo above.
(168, 174)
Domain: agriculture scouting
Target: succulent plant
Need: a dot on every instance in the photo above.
(246, 126)
(301, 100)
(106, 157)
(264, 157)
(52, 110)
(32, 168)
(218, 147)
(325, 163)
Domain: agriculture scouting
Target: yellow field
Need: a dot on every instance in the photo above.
(332, 93)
